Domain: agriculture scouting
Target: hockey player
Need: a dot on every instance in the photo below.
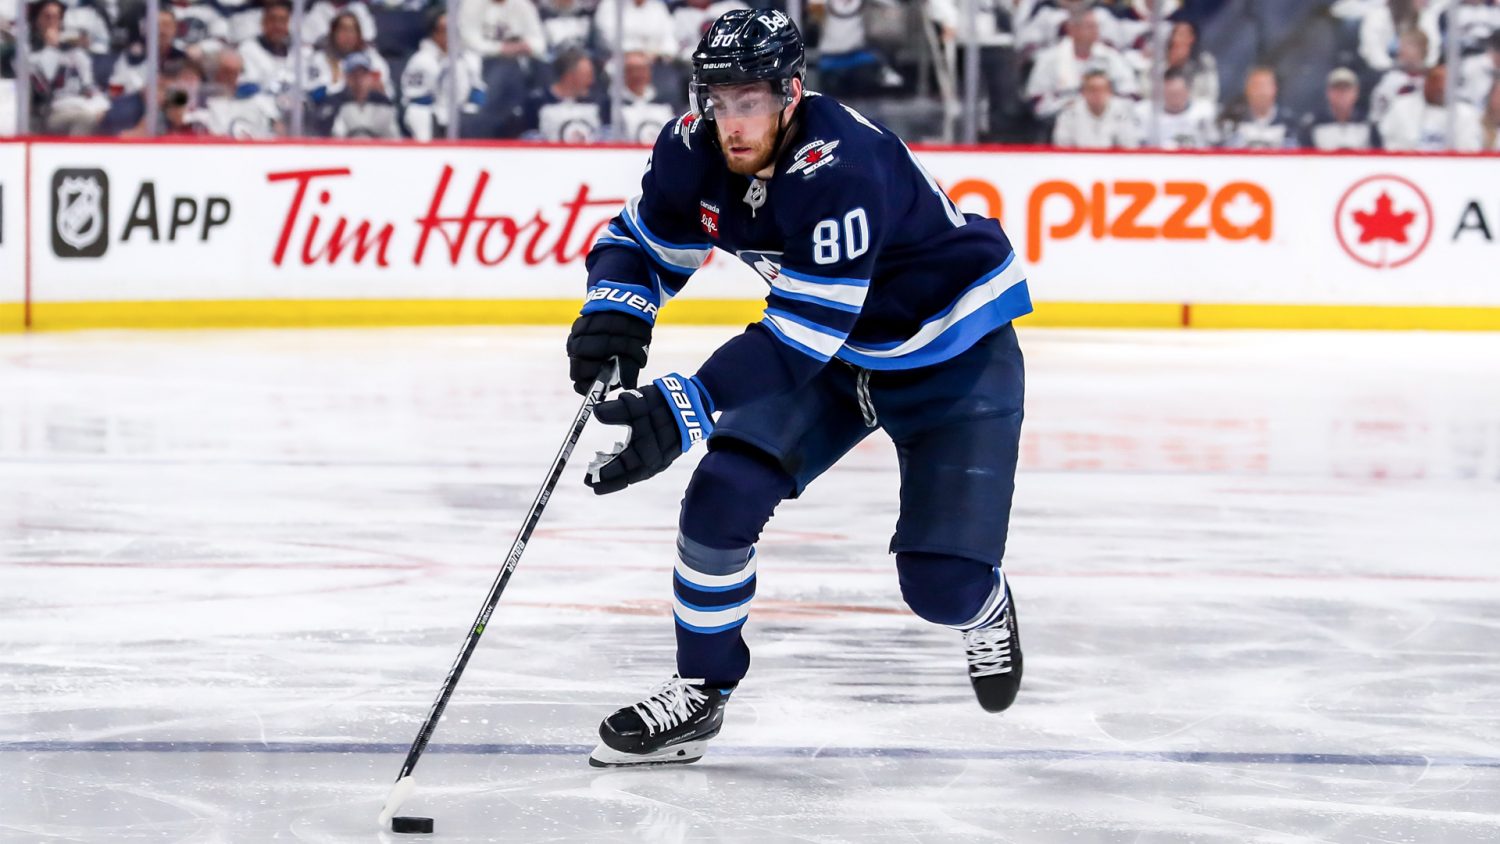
(888, 308)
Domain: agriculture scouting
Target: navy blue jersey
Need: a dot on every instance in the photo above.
(868, 261)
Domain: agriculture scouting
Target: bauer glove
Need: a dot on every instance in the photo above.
(616, 321)
(665, 418)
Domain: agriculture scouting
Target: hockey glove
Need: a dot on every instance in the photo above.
(596, 337)
(665, 418)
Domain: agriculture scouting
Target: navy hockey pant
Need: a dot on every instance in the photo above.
(956, 427)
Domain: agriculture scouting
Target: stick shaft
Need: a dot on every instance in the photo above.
(595, 395)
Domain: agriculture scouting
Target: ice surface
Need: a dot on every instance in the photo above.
(1258, 573)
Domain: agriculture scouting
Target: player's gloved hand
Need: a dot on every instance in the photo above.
(597, 337)
(665, 418)
(616, 321)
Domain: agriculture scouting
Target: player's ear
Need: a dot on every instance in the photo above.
(796, 95)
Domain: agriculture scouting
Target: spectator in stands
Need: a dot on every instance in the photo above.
(202, 29)
(1473, 21)
(1257, 122)
(1384, 25)
(502, 28)
(269, 66)
(1478, 73)
(1198, 66)
(345, 40)
(1339, 126)
(1058, 73)
(999, 71)
(648, 28)
(65, 100)
(232, 110)
(177, 85)
(1041, 25)
(1184, 122)
(567, 23)
(1403, 80)
(361, 108)
(1097, 119)
(847, 66)
(566, 110)
(643, 111)
(1421, 123)
(9, 95)
(1127, 26)
(426, 87)
(1490, 123)
(690, 19)
(318, 20)
(129, 74)
(242, 17)
(87, 24)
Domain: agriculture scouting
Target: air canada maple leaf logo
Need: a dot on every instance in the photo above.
(1383, 221)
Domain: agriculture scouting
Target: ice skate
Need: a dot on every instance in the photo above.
(995, 661)
(671, 726)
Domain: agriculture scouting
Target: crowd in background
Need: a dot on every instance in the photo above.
(1344, 74)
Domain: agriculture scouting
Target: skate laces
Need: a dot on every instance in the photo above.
(989, 649)
(669, 704)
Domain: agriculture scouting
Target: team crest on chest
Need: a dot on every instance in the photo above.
(766, 263)
(813, 156)
(708, 217)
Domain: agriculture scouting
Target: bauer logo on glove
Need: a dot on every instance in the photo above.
(664, 419)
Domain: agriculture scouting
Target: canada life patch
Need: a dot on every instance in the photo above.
(708, 217)
(813, 156)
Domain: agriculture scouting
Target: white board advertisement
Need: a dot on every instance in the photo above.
(12, 229)
(186, 221)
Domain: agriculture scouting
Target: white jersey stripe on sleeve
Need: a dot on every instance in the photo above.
(1008, 276)
(684, 258)
(843, 294)
(820, 342)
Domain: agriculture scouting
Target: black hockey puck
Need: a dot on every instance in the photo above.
(411, 824)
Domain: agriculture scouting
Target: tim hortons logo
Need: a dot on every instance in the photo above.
(1383, 222)
(708, 217)
(314, 235)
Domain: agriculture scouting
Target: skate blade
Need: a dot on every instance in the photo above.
(605, 756)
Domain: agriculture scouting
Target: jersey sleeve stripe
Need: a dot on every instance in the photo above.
(837, 320)
(684, 258)
(844, 297)
(989, 303)
(821, 280)
(814, 342)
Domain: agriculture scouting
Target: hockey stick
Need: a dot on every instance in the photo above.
(405, 785)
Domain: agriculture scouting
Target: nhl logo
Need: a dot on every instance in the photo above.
(80, 213)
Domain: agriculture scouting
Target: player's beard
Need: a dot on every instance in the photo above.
(760, 154)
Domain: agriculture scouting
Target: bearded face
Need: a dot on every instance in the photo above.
(746, 118)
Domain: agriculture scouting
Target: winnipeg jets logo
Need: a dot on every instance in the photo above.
(767, 264)
(708, 217)
(813, 156)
